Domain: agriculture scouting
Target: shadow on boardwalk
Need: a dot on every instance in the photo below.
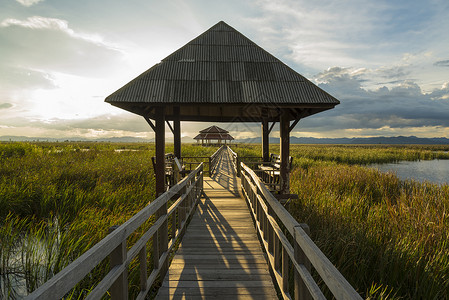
(220, 256)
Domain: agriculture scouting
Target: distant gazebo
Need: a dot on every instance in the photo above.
(213, 133)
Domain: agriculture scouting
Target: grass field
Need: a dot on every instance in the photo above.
(388, 237)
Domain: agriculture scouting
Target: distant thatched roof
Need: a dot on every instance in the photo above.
(222, 76)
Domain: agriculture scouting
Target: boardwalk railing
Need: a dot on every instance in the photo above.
(248, 160)
(210, 162)
(191, 162)
(184, 196)
(234, 159)
(215, 159)
(302, 255)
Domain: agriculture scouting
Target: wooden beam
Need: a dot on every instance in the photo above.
(169, 126)
(293, 125)
(150, 123)
(285, 153)
(265, 140)
(160, 150)
(176, 132)
(162, 235)
(271, 127)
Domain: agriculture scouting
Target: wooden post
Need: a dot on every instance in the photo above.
(143, 268)
(177, 132)
(265, 140)
(285, 153)
(160, 150)
(301, 291)
(238, 166)
(119, 289)
(160, 183)
(284, 270)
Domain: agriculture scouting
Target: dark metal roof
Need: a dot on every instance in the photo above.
(216, 76)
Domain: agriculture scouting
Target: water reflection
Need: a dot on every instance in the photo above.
(436, 171)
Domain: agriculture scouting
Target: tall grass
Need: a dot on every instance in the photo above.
(377, 230)
(59, 199)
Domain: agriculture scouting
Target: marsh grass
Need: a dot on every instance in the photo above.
(57, 200)
(388, 237)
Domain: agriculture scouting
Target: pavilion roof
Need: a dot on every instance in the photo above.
(214, 136)
(214, 129)
(222, 76)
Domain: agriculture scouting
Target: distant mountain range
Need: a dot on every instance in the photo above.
(124, 139)
(404, 140)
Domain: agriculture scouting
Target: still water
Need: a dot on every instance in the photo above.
(436, 171)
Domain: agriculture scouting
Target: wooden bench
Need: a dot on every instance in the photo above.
(181, 168)
(170, 162)
(271, 170)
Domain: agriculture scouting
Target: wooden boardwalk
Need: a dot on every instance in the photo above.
(220, 256)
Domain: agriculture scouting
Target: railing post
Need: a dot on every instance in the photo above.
(143, 268)
(156, 250)
(163, 238)
(284, 270)
(119, 289)
(271, 239)
(184, 210)
(210, 166)
(238, 166)
(301, 291)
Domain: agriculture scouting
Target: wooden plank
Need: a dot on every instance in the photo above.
(217, 284)
(178, 295)
(222, 265)
(254, 292)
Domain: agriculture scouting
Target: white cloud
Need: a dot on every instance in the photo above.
(28, 3)
(50, 45)
(38, 22)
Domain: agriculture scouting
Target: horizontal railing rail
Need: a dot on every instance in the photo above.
(302, 255)
(184, 196)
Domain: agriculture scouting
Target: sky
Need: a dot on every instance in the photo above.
(387, 61)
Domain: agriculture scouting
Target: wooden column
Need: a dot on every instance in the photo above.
(160, 150)
(177, 132)
(265, 140)
(162, 235)
(285, 153)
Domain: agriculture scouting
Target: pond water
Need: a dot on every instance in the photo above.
(435, 171)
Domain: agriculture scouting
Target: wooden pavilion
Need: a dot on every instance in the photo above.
(213, 133)
(222, 76)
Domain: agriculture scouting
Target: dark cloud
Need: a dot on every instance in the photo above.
(395, 72)
(442, 63)
(403, 106)
(5, 105)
